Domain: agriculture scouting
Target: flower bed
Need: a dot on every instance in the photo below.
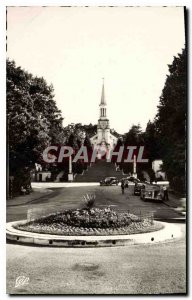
(93, 221)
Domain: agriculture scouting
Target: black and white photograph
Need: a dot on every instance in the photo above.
(96, 111)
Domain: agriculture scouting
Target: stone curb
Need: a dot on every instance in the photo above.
(169, 232)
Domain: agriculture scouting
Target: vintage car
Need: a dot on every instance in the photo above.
(137, 188)
(152, 192)
(109, 181)
(130, 179)
(133, 179)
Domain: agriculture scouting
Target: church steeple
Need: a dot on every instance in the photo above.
(103, 136)
(103, 103)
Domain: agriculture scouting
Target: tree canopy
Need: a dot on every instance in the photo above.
(33, 119)
(170, 121)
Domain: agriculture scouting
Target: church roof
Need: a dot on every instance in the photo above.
(103, 101)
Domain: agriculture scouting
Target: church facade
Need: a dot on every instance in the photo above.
(103, 136)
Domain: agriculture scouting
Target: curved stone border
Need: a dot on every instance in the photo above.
(169, 232)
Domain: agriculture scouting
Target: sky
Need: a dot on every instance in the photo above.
(75, 47)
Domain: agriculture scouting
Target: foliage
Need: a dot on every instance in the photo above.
(33, 120)
(88, 201)
(171, 122)
(80, 132)
(134, 137)
(92, 218)
(152, 142)
(54, 224)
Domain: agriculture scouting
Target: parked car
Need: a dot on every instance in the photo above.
(130, 178)
(109, 181)
(152, 192)
(137, 188)
(133, 179)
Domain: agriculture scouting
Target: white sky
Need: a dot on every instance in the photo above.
(73, 48)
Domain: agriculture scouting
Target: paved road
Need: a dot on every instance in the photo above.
(150, 269)
(71, 197)
(158, 268)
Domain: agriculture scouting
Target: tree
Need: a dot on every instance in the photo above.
(33, 120)
(171, 122)
(152, 142)
(134, 136)
(90, 129)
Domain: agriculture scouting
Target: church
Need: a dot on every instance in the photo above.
(103, 138)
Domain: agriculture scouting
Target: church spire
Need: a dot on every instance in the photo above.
(103, 102)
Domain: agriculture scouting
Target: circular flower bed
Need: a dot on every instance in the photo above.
(93, 221)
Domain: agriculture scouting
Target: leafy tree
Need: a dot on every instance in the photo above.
(90, 129)
(152, 143)
(87, 142)
(171, 121)
(33, 120)
(73, 141)
(134, 136)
